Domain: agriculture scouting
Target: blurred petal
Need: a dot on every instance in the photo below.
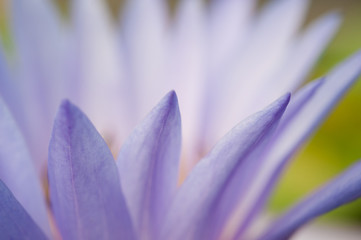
(187, 69)
(84, 185)
(256, 59)
(9, 90)
(15, 222)
(295, 128)
(145, 43)
(98, 71)
(148, 166)
(342, 190)
(306, 51)
(17, 170)
(299, 100)
(227, 26)
(195, 206)
(228, 21)
(39, 39)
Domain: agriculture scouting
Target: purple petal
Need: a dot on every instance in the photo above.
(15, 222)
(342, 190)
(192, 212)
(84, 185)
(9, 89)
(259, 55)
(306, 51)
(187, 69)
(145, 40)
(148, 166)
(228, 21)
(98, 69)
(17, 170)
(38, 37)
(295, 128)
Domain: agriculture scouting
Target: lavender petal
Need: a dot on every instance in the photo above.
(85, 193)
(17, 170)
(342, 190)
(148, 166)
(191, 213)
(15, 222)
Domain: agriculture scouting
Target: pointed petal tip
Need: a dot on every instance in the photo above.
(171, 97)
(67, 109)
(278, 107)
(172, 92)
(282, 102)
(66, 104)
(287, 96)
(169, 101)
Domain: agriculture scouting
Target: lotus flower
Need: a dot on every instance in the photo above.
(115, 77)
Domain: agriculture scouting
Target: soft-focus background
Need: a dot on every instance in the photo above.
(336, 145)
(338, 142)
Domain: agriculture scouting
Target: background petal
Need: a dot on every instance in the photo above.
(301, 58)
(144, 38)
(98, 70)
(39, 69)
(186, 71)
(241, 76)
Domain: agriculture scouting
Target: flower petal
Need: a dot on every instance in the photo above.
(98, 71)
(192, 212)
(9, 89)
(15, 222)
(84, 185)
(240, 216)
(145, 42)
(38, 36)
(306, 51)
(148, 166)
(228, 21)
(342, 190)
(262, 49)
(17, 170)
(227, 27)
(295, 129)
(187, 70)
